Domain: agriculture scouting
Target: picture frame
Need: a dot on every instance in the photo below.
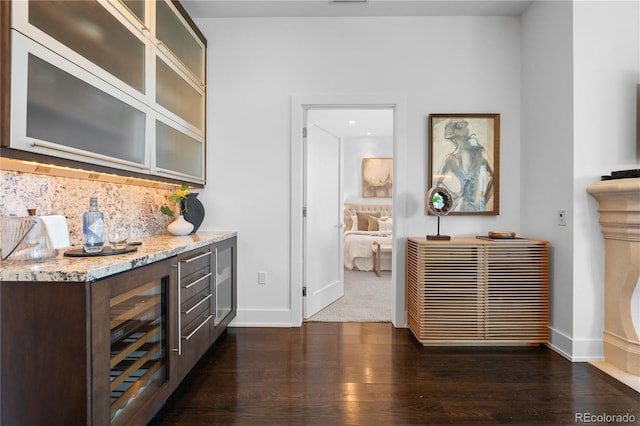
(377, 177)
(464, 158)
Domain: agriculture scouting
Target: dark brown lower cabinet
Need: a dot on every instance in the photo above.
(111, 351)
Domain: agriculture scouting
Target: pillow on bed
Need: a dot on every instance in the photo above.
(373, 223)
(385, 224)
(363, 220)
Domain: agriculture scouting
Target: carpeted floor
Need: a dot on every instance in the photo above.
(367, 298)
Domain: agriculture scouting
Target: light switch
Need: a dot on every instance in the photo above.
(262, 277)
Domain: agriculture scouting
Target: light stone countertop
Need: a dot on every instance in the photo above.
(81, 269)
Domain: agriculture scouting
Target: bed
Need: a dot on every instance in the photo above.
(373, 223)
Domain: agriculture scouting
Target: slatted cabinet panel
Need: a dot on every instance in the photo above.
(517, 299)
(469, 290)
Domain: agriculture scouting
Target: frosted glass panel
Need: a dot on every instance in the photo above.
(136, 7)
(90, 30)
(224, 284)
(178, 96)
(177, 151)
(171, 32)
(65, 110)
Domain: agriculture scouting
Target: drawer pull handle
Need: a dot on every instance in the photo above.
(197, 304)
(198, 280)
(199, 327)
(196, 257)
(71, 150)
(179, 348)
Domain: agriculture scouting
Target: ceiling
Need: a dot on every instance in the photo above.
(328, 8)
(366, 122)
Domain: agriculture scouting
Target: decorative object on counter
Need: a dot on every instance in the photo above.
(439, 202)
(501, 234)
(195, 213)
(118, 236)
(180, 226)
(179, 197)
(27, 238)
(14, 231)
(93, 228)
(502, 239)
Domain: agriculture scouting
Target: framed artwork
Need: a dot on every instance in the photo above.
(464, 158)
(377, 177)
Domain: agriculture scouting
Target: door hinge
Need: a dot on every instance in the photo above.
(304, 132)
(304, 291)
(304, 212)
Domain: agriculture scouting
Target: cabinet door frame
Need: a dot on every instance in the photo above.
(231, 244)
(20, 22)
(167, 60)
(22, 47)
(160, 171)
(101, 294)
(169, 53)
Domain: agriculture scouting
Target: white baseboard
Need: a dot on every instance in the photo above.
(575, 350)
(262, 318)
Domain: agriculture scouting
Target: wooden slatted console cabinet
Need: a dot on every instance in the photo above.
(478, 292)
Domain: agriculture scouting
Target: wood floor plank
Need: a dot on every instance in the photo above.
(375, 374)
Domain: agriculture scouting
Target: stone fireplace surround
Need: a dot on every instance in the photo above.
(619, 208)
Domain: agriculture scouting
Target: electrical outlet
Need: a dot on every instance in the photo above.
(562, 217)
(262, 277)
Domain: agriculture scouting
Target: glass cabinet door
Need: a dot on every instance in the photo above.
(224, 282)
(180, 39)
(137, 8)
(70, 113)
(138, 359)
(93, 32)
(178, 153)
(177, 95)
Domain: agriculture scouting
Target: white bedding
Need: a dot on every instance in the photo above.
(357, 249)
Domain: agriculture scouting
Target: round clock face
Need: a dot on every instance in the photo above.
(439, 201)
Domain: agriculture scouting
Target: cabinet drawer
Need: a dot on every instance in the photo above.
(195, 283)
(194, 308)
(194, 261)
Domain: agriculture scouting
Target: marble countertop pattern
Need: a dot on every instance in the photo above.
(82, 269)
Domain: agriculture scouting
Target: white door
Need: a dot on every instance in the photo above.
(323, 227)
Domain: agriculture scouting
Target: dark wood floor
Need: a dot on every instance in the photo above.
(373, 374)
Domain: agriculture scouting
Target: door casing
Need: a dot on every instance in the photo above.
(400, 205)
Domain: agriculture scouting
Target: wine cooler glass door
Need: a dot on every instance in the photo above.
(138, 347)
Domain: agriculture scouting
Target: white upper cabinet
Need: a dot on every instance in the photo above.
(112, 82)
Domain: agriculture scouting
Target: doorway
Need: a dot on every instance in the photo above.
(401, 206)
(339, 285)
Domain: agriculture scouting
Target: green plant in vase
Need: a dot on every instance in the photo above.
(178, 196)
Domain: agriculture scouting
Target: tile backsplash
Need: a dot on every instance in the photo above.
(136, 206)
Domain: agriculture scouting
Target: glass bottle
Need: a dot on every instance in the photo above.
(93, 228)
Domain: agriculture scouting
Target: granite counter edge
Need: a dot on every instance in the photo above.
(63, 269)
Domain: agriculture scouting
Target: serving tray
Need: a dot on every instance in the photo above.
(107, 251)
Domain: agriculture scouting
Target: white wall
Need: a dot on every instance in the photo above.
(580, 69)
(255, 65)
(355, 149)
(547, 150)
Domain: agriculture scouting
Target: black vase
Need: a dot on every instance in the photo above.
(194, 213)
